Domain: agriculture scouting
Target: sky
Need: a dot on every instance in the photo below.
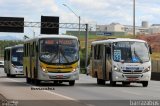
(95, 12)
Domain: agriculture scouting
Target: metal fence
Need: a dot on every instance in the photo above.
(156, 66)
(155, 70)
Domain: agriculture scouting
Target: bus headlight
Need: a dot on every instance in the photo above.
(44, 70)
(147, 69)
(75, 69)
(116, 69)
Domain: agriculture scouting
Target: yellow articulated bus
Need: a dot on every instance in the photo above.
(120, 60)
(13, 60)
(51, 58)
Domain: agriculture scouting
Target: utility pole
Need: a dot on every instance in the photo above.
(134, 18)
(79, 18)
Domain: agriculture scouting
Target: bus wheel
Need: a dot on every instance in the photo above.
(28, 80)
(101, 82)
(125, 83)
(55, 82)
(71, 83)
(8, 75)
(113, 83)
(60, 82)
(145, 83)
(37, 82)
(12, 76)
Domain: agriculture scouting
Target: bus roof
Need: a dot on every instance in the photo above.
(115, 40)
(52, 36)
(15, 46)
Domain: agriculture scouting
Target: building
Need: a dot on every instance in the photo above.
(115, 29)
(154, 29)
(111, 29)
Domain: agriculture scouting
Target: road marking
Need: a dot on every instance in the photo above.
(90, 105)
(66, 97)
(53, 93)
(130, 92)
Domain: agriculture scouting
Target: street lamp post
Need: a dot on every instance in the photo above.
(79, 18)
(134, 18)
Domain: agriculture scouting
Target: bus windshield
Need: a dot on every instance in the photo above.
(130, 52)
(17, 56)
(59, 51)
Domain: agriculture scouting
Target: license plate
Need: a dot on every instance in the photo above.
(132, 79)
(59, 76)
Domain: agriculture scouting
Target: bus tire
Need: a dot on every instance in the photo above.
(55, 82)
(125, 83)
(145, 83)
(113, 83)
(60, 82)
(37, 81)
(71, 83)
(8, 75)
(101, 81)
(98, 81)
(12, 76)
(28, 80)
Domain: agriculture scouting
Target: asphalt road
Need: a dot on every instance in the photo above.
(85, 92)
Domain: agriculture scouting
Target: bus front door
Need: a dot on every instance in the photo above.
(108, 64)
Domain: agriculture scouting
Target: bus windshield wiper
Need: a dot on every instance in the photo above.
(62, 52)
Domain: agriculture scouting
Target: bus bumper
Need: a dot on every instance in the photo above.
(119, 77)
(59, 76)
(17, 71)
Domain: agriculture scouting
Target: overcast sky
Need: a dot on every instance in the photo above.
(91, 11)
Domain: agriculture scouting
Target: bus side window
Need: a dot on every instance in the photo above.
(95, 52)
(91, 51)
(9, 55)
(5, 55)
(100, 54)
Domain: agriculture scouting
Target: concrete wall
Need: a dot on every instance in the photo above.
(155, 70)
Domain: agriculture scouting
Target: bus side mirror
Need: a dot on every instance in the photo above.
(150, 49)
(79, 45)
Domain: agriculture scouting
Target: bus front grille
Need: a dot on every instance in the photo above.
(59, 71)
(132, 71)
(132, 76)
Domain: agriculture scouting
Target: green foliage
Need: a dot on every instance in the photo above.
(6, 43)
(83, 59)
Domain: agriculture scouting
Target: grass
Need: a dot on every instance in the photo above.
(155, 56)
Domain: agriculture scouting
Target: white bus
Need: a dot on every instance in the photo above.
(120, 60)
(51, 58)
(13, 60)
